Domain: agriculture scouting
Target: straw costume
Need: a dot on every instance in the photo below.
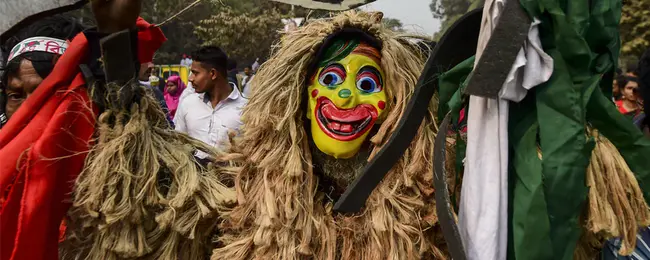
(293, 158)
(142, 194)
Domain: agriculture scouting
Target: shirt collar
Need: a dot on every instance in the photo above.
(234, 95)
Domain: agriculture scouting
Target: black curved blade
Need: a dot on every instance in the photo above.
(17, 14)
(445, 213)
(457, 45)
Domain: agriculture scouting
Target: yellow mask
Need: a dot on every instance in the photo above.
(346, 98)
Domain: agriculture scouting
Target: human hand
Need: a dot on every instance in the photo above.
(116, 15)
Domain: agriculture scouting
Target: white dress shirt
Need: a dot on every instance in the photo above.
(212, 125)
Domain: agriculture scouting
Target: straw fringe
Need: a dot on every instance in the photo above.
(142, 195)
(281, 214)
(616, 207)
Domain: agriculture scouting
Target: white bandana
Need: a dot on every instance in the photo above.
(42, 44)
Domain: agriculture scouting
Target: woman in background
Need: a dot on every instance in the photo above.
(630, 104)
(173, 91)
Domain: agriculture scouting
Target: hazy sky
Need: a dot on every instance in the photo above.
(414, 14)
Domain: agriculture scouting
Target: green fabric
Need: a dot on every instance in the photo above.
(338, 50)
(566, 153)
(549, 194)
(529, 235)
(449, 84)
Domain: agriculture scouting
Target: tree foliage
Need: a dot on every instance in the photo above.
(393, 24)
(450, 11)
(246, 30)
(635, 27)
(242, 36)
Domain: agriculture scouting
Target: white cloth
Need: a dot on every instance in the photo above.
(483, 216)
(212, 125)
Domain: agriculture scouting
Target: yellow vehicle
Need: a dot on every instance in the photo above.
(165, 71)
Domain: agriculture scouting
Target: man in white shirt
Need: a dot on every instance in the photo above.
(214, 110)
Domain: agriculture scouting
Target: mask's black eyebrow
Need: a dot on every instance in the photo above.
(372, 69)
(334, 64)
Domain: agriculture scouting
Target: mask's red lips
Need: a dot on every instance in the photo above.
(344, 124)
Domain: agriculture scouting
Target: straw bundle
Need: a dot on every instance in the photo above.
(142, 193)
(616, 205)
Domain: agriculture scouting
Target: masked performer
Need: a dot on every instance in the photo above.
(332, 94)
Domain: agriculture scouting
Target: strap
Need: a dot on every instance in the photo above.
(446, 217)
(500, 53)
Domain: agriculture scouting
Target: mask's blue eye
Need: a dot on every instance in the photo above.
(332, 76)
(369, 81)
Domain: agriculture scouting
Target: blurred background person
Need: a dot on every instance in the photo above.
(617, 86)
(630, 104)
(173, 92)
(248, 75)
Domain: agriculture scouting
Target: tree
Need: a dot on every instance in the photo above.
(246, 30)
(450, 11)
(243, 36)
(254, 18)
(179, 31)
(635, 27)
(393, 24)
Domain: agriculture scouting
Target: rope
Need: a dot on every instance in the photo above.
(183, 11)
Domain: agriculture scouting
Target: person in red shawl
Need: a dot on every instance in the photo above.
(44, 142)
(51, 122)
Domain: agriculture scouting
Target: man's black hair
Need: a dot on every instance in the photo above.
(212, 57)
(58, 26)
(249, 67)
(232, 64)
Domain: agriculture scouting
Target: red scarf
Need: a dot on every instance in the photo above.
(42, 149)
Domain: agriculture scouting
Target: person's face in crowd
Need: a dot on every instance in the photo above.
(145, 71)
(615, 90)
(247, 71)
(171, 88)
(20, 85)
(203, 77)
(292, 26)
(631, 91)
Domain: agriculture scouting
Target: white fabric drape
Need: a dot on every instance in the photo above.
(483, 216)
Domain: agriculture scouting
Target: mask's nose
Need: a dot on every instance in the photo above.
(345, 97)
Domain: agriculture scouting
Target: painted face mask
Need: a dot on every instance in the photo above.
(346, 98)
